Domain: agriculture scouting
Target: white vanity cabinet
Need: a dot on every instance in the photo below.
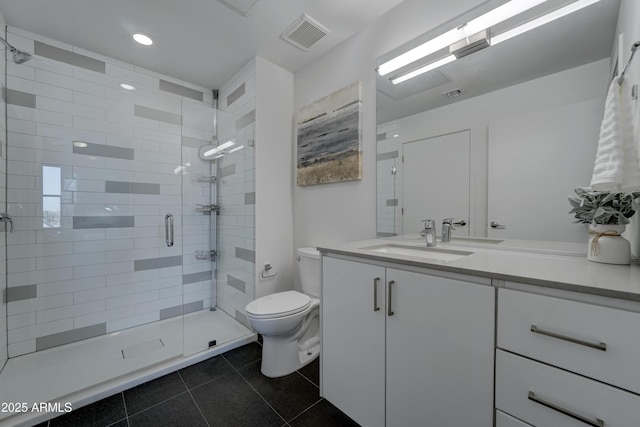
(566, 363)
(353, 339)
(404, 348)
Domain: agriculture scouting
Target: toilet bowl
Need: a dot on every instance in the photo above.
(289, 321)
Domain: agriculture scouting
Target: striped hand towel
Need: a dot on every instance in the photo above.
(617, 166)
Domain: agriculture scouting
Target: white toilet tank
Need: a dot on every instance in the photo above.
(309, 270)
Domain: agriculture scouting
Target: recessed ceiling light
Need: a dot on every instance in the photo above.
(127, 86)
(143, 39)
(80, 144)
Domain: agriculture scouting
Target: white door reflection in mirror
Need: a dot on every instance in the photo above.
(557, 146)
(435, 181)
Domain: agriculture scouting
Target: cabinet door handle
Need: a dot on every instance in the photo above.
(599, 346)
(375, 294)
(389, 311)
(597, 423)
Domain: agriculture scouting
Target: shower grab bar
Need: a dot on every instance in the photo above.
(168, 229)
(5, 217)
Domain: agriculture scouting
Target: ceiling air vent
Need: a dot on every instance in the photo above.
(304, 32)
(470, 44)
(453, 93)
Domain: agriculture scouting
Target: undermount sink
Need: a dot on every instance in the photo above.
(420, 252)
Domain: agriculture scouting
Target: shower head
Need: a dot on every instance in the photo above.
(19, 57)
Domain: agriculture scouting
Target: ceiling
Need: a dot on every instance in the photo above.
(577, 39)
(199, 41)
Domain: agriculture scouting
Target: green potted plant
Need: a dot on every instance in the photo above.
(607, 215)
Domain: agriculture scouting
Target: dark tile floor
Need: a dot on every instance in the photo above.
(226, 390)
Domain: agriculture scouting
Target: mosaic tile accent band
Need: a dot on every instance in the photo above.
(177, 89)
(68, 57)
(67, 337)
(153, 263)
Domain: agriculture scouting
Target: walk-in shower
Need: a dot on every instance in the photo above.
(123, 239)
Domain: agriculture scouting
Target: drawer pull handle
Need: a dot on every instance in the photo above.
(375, 294)
(389, 311)
(599, 346)
(597, 423)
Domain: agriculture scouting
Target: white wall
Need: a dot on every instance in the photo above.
(628, 20)
(346, 211)
(340, 212)
(273, 177)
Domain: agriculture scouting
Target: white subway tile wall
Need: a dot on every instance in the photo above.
(236, 225)
(126, 158)
(388, 216)
(3, 208)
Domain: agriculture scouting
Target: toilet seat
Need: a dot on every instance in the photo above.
(278, 305)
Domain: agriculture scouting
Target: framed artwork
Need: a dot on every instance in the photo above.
(330, 138)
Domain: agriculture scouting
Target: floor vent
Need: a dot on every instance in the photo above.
(304, 32)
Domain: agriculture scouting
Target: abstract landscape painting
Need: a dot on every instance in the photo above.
(330, 138)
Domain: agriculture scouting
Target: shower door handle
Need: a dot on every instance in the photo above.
(4, 217)
(168, 229)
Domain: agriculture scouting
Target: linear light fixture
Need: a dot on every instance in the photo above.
(233, 150)
(422, 70)
(219, 148)
(483, 22)
(545, 19)
(496, 39)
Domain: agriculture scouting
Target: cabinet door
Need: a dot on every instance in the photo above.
(352, 353)
(440, 351)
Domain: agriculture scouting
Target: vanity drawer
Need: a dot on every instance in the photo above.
(599, 342)
(528, 390)
(505, 420)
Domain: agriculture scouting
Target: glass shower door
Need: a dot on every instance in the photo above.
(199, 214)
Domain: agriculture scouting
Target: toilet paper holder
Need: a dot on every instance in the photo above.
(264, 274)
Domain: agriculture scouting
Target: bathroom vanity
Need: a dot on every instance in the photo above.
(479, 331)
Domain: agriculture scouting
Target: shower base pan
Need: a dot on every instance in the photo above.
(87, 371)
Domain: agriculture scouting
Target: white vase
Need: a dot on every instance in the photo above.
(606, 244)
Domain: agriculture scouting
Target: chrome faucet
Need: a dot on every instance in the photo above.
(447, 227)
(430, 231)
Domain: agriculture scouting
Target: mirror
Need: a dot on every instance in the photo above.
(510, 130)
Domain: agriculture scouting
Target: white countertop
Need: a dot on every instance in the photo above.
(560, 265)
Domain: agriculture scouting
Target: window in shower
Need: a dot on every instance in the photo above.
(51, 194)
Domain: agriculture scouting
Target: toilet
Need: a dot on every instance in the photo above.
(289, 321)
